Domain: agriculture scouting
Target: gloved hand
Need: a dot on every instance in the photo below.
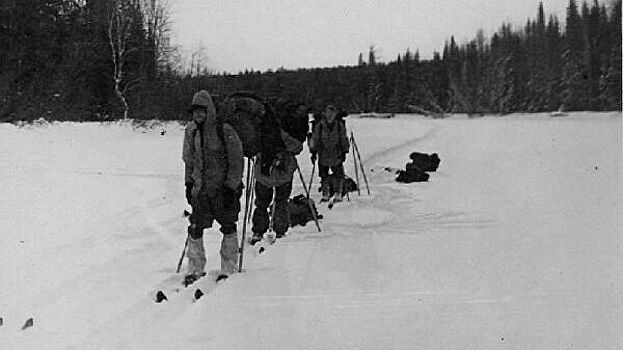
(313, 158)
(189, 191)
(231, 195)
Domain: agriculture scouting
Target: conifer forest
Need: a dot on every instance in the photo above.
(113, 59)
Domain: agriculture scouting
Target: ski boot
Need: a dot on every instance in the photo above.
(256, 237)
(192, 278)
(326, 196)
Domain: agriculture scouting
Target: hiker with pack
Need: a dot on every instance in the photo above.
(212, 155)
(329, 145)
(274, 170)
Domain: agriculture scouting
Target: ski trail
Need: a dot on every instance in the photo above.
(379, 156)
(391, 206)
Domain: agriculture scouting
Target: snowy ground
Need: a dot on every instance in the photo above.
(515, 243)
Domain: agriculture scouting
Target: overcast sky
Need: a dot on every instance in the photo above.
(268, 34)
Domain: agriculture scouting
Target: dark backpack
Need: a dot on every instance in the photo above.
(295, 125)
(424, 161)
(300, 214)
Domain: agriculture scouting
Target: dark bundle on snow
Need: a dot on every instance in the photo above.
(416, 170)
(300, 213)
(425, 162)
(412, 174)
(349, 185)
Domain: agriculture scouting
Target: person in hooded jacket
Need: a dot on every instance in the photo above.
(273, 182)
(212, 154)
(329, 145)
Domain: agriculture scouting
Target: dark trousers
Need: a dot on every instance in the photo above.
(263, 199)
(222, 207)
(323, 171)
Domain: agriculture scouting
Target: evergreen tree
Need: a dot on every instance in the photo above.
(574, 69)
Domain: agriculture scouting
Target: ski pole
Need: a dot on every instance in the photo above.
(363, 172)
(311, 180)
(273, 205)
(246, 212)
(252, 190)
(352, 141)
(311, 208)
(179, 264)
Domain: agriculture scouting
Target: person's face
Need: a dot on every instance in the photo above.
(301, 111)
(199, 115)
(330, 114)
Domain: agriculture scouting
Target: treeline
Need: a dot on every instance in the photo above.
(84, 59)
(541, 67)
(109, 59)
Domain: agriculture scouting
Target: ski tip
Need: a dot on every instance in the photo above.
(262, 249)
(221, 277)
(160, 297)
(29, 323)
(186, 212)
(198, 294)
(1, 321)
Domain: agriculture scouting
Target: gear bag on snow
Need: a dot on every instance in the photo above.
(425, 162)
(348, 186)
(416, 170)
(300, 214)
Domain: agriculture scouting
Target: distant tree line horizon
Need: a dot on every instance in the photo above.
(111, 59)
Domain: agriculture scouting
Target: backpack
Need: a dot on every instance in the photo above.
(246, 112)
(349, 185)
(424, 161)
(300, 214)
(295, 125)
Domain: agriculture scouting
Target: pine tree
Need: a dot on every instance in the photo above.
(553, 45)
(574, 69)
(610, 79)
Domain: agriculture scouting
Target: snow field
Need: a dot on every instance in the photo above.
(513, 243)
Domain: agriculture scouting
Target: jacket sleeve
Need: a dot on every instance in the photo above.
(235, 162)
(344, 139)
(187, 151)
(314, 141)
(293, 145)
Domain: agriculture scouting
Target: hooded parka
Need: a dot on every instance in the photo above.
(213, 167)
(330, 142)
(211, 163)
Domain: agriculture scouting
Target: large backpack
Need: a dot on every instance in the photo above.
(300, 214)
(295, 125)
(254, 121)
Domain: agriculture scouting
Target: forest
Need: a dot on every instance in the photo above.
(92, 60)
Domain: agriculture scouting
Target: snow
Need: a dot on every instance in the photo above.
(514, 243)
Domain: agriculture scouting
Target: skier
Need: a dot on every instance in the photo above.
(329, 145)
(212, 154)
(275, 167)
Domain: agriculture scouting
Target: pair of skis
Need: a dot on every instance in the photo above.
(201, 286)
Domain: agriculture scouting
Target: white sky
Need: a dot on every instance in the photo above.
(268, 34)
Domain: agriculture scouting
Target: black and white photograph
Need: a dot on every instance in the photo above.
(311, 174)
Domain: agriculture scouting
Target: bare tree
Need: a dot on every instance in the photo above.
(119, 24)
(157, 14)
(119, 30)
(198, 60)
